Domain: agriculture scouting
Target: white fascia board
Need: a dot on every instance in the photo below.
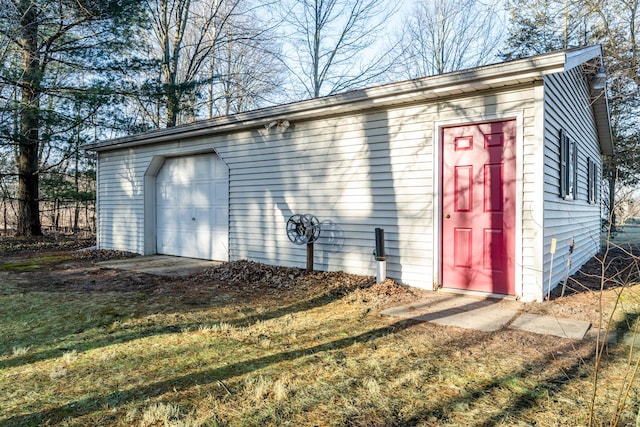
(577, 57)
(482, 78)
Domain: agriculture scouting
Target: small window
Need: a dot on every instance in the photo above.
(568, 167)
(592, 181)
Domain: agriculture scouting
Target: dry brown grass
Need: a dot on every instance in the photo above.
(145, 351)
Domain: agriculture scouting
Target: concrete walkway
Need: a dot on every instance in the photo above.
(161, 265)
(488, 316)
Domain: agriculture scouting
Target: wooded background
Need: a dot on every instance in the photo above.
(79, 71)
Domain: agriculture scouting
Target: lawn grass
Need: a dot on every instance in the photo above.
(74, 358)
(35, 262)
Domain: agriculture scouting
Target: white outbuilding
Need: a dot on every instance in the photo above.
(471, 174)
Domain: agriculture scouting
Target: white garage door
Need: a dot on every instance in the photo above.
(192, 214)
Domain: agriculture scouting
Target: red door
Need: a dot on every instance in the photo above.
(478, 201)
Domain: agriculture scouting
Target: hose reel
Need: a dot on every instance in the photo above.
(304, 229)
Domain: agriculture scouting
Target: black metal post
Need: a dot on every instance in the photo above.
(309, 257)
(380, 256)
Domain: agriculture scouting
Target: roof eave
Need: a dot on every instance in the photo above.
(603, 123)
(578, 56)
(482, 78)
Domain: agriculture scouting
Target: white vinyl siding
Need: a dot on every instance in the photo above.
(119, 201)
(369, 163)
(532, 199)
(568, 108)
(354, 172)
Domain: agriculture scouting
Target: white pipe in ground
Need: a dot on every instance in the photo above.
(381, 271)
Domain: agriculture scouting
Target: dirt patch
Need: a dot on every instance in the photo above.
(58, 264)
(12, 246)
(614, 267)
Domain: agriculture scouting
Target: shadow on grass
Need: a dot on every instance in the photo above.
(530, 398)
(119, 398)
(520, 401)
(118, 336)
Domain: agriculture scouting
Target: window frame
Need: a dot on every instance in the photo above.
(568, 167)
(592, 181)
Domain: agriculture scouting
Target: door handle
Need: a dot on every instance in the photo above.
(447, 216)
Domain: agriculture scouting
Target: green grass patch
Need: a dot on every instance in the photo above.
(34, 263)
(19, 266)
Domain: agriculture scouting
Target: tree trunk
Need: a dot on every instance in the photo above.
(171, 96)
(612, 199)
(56, 214)
(28, 179)
(76, 217)
(172, 107)
(4, 212)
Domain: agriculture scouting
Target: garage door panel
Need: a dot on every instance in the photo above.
(222, 219)
(170, 216)
(221, 244)
(202, 168)
(201, 217)
(181, 218)
(165, 193)
(221, 192)
(220, 172)
(201, 194)
(168, 240)
(186, 249)
(192, 207)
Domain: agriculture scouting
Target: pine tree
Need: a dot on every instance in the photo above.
(54, 55)
(547, 25)
(535, 28)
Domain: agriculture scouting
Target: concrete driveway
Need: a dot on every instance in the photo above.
(161, 265)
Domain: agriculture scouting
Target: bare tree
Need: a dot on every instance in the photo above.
(627, 204)
(448, 35)
(330, 48)
(185, 34)
(191, 42)
(245, 71)
(246, 74)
